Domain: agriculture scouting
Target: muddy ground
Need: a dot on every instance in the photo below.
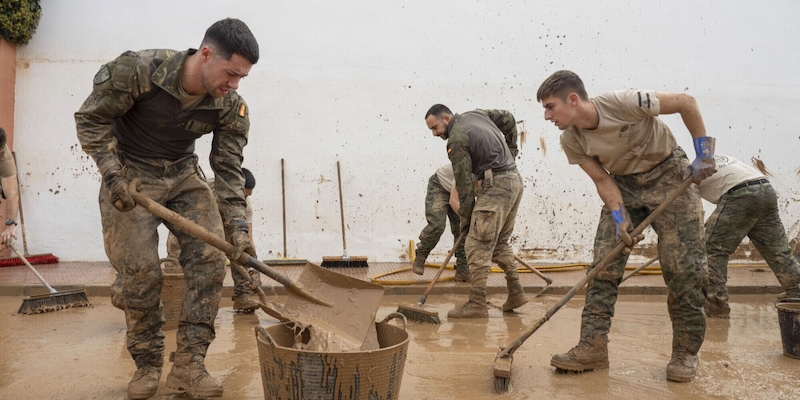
(80, 353)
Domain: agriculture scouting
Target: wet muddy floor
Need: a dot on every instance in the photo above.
(80, 353)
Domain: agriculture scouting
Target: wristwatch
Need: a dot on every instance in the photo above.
(11, 222)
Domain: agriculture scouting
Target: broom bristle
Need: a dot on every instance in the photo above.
(34, 259)
(345, 262)
(416, 314)
(53, 302)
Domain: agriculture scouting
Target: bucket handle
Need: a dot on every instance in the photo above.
(787, 301)
(260, 331)
(398, 316)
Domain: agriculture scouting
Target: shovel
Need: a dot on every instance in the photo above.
(539, 274)
(502, 362)
(218, 242)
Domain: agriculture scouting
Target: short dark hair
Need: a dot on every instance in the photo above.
(3, 138)
(232, 36)
(438, 110)
(249, 179)
(560, 85)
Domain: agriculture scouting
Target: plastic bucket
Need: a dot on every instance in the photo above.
(789, 321)
(289, 373)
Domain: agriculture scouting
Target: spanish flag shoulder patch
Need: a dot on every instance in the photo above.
(242, 110)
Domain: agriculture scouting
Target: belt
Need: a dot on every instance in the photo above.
(508, 171)
(749, 183)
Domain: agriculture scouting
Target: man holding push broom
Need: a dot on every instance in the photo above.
(141, 121)
(483, 144)
(635, 162)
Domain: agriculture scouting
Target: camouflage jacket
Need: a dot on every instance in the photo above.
(134, 108)
(476, 141)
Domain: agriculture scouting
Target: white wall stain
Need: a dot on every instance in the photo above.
(355, 88)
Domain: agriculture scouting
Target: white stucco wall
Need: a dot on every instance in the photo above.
(351, 81)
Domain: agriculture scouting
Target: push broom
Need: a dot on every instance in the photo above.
(418, 313)
(344, 261)
(502, 362)
(284, 260)
(52, 301)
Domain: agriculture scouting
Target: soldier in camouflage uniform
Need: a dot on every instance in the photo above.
(141, 121)
(483, 144)
(635, 162)
(441, 203)
(746, 206)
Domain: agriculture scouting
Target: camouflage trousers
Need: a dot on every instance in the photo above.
(241, 283)
(131, 243)
(491, 226)
(437, 212)
(751, 211)
(680, 250)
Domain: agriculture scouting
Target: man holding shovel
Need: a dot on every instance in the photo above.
(746, 206)
(441, 203)
(141, 121)
(635, 162)
(483, 144)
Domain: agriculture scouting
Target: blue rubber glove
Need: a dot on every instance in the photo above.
(703, 166)
(623, 222)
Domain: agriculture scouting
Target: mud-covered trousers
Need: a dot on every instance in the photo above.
(491, 226)
(437, 212)
(131, 243)
(680, 251)
(750, 211)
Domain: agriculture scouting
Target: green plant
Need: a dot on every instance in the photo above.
(18, 20)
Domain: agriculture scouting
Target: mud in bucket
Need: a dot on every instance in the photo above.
(789, 321)
(291, 374)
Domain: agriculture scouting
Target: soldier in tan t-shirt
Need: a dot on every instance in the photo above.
(635, 162)
(8, 189)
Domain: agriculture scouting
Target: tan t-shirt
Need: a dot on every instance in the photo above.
(629, 139)
(446, 177)
(730, 172)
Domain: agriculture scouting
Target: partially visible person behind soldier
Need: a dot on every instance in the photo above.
(8, 189)
(441, 204)
(482, 144)
(140, 122)
(746, 206)
(243, 289)
(635, 162)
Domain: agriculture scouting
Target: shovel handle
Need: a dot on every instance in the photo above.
(510, 348)
(205, 235)
(639, 268)
(424, 296)
(532, 269)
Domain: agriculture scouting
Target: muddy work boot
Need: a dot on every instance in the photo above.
(189, 374)
(516, 296)
(717, 309)
(462, 274)
(790, 294)
(244, 303)
(419, 264)
(586, 356)
(470, 309)
(682, 366)
(144, 384)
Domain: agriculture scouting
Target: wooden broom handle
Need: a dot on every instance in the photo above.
(341, 206)
(283, 200)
